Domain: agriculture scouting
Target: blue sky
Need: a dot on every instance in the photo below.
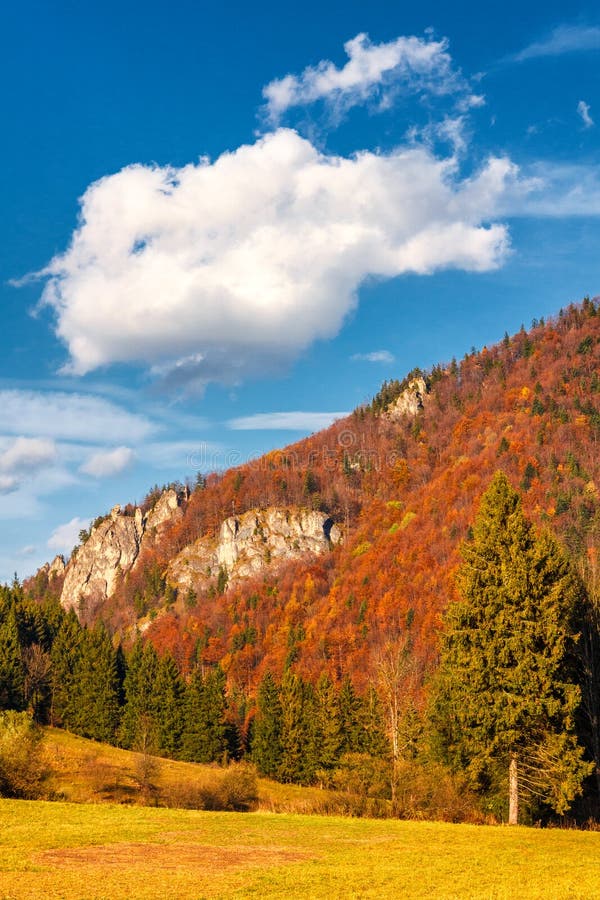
(221, 227)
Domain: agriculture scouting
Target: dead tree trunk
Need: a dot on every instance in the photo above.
(513, 792)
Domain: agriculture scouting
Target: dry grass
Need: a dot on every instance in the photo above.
(84, 771)
(107, 852)
(124, 851)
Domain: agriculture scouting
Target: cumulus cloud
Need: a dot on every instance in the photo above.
(376, 356)
(106, 463)
(583, 109)
(62, 415)
(64, 537)
(220, 270)
(564, 39)
(408, 64)
(286, 421)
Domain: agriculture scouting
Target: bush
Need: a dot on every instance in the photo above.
(238, 789)
(234, 791)
(429, 791)
(23, 766)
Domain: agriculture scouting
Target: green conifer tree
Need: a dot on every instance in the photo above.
(505, 701)
(11, 665)
(138, 718)
(293, 728)
(205, 729)
(96, 687)
(350, 718)
(64, 658)
(266, 731)
(329, 723)
(192, 740)
(167, 702)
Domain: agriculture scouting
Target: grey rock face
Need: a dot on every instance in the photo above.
(252, 542)
(410, 400)
(111, 550)
(246, 545)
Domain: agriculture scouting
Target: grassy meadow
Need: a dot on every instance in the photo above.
(93, 851)
(99, 842)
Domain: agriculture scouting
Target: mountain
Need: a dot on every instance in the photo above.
(316, 553)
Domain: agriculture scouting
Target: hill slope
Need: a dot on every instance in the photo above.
(401, 478)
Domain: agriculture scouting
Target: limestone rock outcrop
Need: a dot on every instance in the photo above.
(57, 567)
(410, 401)
(249, 543)
(111, 550)
(245, 545)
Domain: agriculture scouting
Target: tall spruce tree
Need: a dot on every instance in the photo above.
(294, 737)
(64, 657)
(169, 691)
(266, 728)
(11, 665)
(204, 736)
(329, 723)
(506, 699)
(96, 687)
(350, 707)
(138, 729)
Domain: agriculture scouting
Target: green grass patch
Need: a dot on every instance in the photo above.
(98, 851)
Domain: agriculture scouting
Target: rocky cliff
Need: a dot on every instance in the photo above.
(249, 543)
(410, 401)
(111, 550)
(246, 544)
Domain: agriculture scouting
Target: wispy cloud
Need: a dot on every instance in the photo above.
(583, 110)
(376, 356)
(554, 190)
(66, 416)
(65, 536)
(24, 454)
(373, 72)
(286, 421)
(22, 459)
(107, 463)
(564, 39)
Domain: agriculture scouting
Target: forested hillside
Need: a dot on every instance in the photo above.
(403, 480)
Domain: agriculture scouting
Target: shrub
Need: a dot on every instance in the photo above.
(23, 766)
(238, 789)
(234, 791)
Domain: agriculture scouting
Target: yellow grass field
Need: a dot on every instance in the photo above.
(94, 851)
(99, 849)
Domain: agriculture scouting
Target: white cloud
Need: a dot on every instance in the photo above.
(8, 484)
(64, 537)
(286, 421)
(22, 460)
(554, 190)
(29, 550)
(178, 456)
(221, 270)
(106, 463)
(583, 110)
(564, 39)
(61, 415)
(408, 64)
(376, 356)
(26, 454)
